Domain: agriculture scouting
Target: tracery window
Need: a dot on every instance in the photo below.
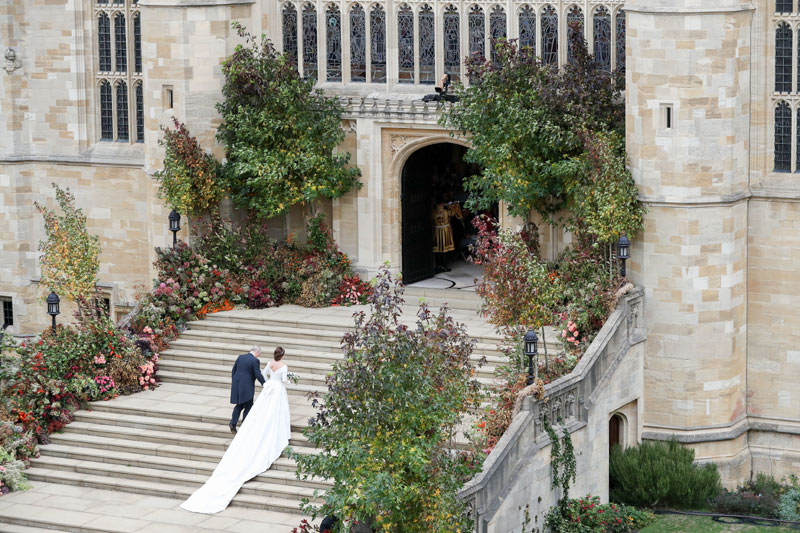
(427, 45)
(477, 32)
(106, 112)
(289, 22)
(139, 113)
(405, 45)
(783, 6)
(620, 40)
(309, 41)
(549, 35)
(122, 111)
(783, 58)
(452, 48)
(137, 43)
(497, 29)
(358, 44)
(104, 42)
(377, 47)
(602, 38)
(783, 137)
(574, 24)
(527, 28)
(121, 63)
(333, 41)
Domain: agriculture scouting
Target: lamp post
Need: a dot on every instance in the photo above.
(174, 225)
(623, 251)
(52, 308)
(531, 350)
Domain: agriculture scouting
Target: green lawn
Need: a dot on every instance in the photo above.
(703, 524)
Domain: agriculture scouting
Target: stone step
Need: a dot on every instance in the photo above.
(446, 294)
(224, 382)
(8, 527)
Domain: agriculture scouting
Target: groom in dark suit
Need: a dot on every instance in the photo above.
(245, 371)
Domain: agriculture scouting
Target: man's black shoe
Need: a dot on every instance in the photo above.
(233, 428)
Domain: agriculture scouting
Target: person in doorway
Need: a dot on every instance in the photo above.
(442, 236)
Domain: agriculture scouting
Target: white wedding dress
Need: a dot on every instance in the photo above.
(261, 439)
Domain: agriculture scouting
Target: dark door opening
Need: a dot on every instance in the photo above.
(615, 431)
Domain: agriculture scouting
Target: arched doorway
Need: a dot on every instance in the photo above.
(616, 424)
(432, 175)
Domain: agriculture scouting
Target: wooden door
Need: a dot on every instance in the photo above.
(417, 208)
(614, 431)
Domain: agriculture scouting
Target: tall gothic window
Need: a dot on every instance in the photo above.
(377, 45)
(139, 113)
(104, 42)
(797, 143)
(783, 6)
(106, 112)
(527, 28)
(574, 24)
(620, 40)
(783, 137)
(405, 45)
(122, 111)
(427, 45)
(137, 43)
(289, 24)
(549, 35)
(602, 38)
(121, 64)
(477, 32)
(358, 44)
(333, 41)
(783, 58)
(309, 41)
(497, 29)
(452, 48)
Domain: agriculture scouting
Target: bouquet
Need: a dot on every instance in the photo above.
(294, 378)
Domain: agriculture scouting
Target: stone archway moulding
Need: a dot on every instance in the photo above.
(403, 146)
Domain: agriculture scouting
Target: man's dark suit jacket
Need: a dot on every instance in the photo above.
(245, 372)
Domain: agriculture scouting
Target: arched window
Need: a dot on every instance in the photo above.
(527, 28)
(139, 113)
(621, 40)
(783, 6)
(120, 44)
(497, 29)
(137, 43)
(783, 58)
(289, 25)
(452, 48)
(405, 45)
(477, 32)
(106, 112)
(549, 35)
(783, 137)
(122, 111)
(377, 28)
(358, 44)
(574, 30)
(427, 45)
(104, 42)
(333, 41)
(602, 38)
(309, 41)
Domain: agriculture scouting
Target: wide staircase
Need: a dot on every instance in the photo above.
(168, 441)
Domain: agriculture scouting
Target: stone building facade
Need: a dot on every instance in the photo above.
(712, 141)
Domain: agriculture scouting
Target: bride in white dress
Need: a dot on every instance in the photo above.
(261, 439)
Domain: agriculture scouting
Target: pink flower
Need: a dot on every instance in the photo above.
(575, 333)
(571, 339)
(576, 343)
(163, 285)
(564, 333)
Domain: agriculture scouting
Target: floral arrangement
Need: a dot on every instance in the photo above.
(294, 378)
(588, 514)
(352, 291)
(105, 387)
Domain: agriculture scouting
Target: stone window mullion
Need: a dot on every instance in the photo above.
(438, 28)
(463, 29)
(368, 42)
(131, 62)
(344, 39)
(415, 9)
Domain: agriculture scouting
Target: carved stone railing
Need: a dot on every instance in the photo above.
(567, 401)
(387, 109)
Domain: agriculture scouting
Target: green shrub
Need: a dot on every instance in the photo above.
(588, 514)
(789, 507)
(745, 501)
(661, 474)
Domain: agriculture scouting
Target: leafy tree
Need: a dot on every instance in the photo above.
(384, 429)
(279, 133)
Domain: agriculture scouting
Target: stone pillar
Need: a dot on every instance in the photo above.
(687, 123)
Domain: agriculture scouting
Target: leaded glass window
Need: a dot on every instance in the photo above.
(405, 45)
(120, 45)
(104, 42)
(497, 29)
(427, 45)
(358, 44)
(527, 28)
(783, 58)
(289, 23)
(621, 40)
(452, 48)
(477, 32)
(797, 143)
(333, 41)
(139, 113)
(783, 6)
(602, 38)
(101, 2)
(137, 43)
(549, 35)
(574, 30)
(122, 111)
(783, 137)
(106, 112)
(309, 41)
(377, 28)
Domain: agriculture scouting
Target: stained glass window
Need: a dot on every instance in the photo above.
(621, 40)
(137, 43)
(358, 44)
(783, 58)
(122, 111)
(104, 42)
(497, 29)
(139, 113)
(602, 38)
(405, 45)
(377, 28)
(309, 41)
(527, 28)
(427, 45)
(106, 112)
(549, 35)
(452, 48)
(333, 41)
(783, 6)
(574, 24)
(289, 23)
(783, 137)
(121, 64)
(477, 32)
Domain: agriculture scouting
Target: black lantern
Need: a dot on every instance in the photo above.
(623, 251)
(174, 225)
(52, 308)
(531, 350)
